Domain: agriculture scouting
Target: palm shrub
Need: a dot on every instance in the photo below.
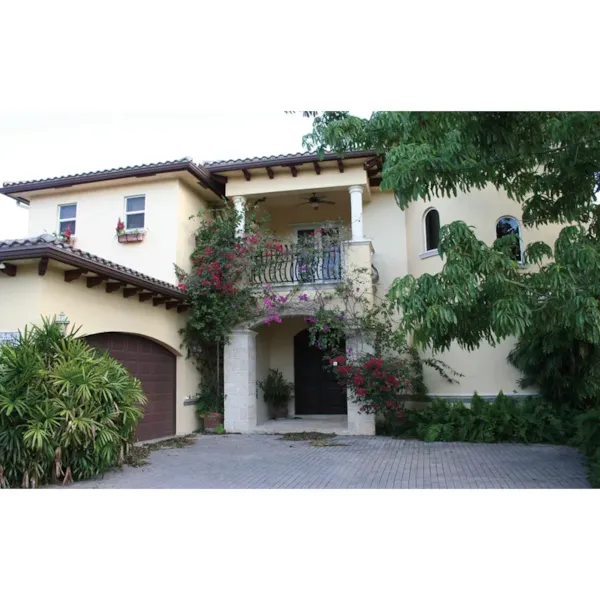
(67, 411)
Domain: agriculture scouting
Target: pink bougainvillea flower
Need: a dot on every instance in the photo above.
(303, 297)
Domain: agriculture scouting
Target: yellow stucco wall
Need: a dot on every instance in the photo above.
(169, 239)
(306, 179)
(25, 298)
(284, 218)
(189, 203)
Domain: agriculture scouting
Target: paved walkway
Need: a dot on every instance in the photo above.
(265, 461)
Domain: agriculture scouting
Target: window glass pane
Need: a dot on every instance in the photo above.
(68, 211)
(135, 204)
(510, 226)
(65, 224)
(432, 230)
(135, 221)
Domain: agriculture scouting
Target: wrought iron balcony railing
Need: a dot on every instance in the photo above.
(293, 264)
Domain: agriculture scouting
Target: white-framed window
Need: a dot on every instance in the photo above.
(67, 218)
(431, 231)
(135, 212)
(508, 225)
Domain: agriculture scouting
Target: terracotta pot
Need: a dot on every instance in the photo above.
(213, 420)
(279, 412)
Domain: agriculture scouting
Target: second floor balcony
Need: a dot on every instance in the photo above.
(293, 264)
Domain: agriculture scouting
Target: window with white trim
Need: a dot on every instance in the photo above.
(67, 216)
(510, 226)
(135, 212)
(431, 227)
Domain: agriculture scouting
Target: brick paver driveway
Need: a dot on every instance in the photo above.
(266, 461)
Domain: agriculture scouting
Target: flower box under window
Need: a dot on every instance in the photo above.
(130, 236)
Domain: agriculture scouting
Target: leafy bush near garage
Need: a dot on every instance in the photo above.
(530, 420)
(67, 411)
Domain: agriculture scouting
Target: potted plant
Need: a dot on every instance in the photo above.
(125, 236)
(209, 407)
(66, 236)
(277, 393)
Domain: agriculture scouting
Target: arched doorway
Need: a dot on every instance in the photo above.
(154, 366)
(316, 390)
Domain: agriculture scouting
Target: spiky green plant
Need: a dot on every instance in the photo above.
(67, 410)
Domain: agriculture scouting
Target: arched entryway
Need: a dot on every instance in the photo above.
(316, 390)
(154, 366)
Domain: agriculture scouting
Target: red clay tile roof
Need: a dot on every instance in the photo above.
(183, 164)
(280, 159)
(47, 245)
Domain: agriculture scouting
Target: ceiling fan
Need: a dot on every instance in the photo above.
(315, 201)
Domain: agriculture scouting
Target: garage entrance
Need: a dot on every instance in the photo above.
(154, 366)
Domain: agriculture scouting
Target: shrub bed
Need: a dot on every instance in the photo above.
(67, 411)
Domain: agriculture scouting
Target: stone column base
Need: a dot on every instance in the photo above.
(240, 382)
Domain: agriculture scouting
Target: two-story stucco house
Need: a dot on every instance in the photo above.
(122, 291)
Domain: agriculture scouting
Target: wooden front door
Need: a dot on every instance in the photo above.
(316, 390)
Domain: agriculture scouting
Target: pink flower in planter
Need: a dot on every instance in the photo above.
(303, 298)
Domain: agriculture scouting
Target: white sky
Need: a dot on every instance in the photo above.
(38, 145)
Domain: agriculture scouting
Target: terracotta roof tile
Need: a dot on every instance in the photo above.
(47, 240)
(215, 165)
(182, 161)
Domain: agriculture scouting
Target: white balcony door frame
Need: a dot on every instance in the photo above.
(297, 227)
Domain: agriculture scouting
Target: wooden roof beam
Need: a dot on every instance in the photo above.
(128, 292)
(8, 269)
(247, 174)
(270, 172)
(340, 165)
(146, 296)
(95, 281)
(157, 301)
(114, 286)
(43, 266)
(73, 274)
(294, 171)
(317, 167)
(374, 162)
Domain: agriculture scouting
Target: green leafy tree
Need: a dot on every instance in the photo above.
(548, 163)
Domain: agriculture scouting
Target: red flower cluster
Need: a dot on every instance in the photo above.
(380, 384)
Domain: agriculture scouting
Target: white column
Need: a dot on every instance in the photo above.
(240, 382)
(240, 208)
(358, 423)
(356, 208)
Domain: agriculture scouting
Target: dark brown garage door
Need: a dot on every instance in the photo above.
(154, 366)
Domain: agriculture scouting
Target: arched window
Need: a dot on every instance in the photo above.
(432, 229)
(510, 226)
